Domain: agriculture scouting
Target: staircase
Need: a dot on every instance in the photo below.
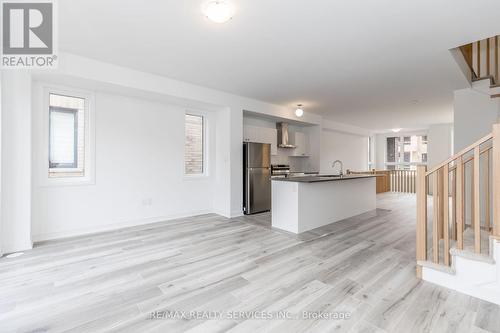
(468, 273)
(483, 59)
(458, 244)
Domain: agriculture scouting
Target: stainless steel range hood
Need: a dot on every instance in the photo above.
(283, 137)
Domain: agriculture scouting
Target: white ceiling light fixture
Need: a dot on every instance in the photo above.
(219, 11)
(396, 130)
(299, 112)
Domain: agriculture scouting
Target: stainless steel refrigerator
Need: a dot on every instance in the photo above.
(256, 177)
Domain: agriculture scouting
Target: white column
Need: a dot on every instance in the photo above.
(228, 196)
(1, 233)
(16, 161)
(236, 140)
(222, 190)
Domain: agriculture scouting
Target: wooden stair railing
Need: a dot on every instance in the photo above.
(483, 58)
(402, 181)
(447, 182)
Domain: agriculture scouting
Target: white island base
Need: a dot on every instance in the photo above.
(299, 205)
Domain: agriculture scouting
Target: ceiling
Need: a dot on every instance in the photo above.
(373, 64)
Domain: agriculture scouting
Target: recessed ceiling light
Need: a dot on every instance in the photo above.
(396, 130)
(299, 112)
(219, 11)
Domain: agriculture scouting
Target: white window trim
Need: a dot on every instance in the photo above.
(89, 166)
(370, 153)
(206, 145)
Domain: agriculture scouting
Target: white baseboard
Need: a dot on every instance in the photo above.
(221, 213)
(114, 226)
(236, 213)
(233, 214)
(9, 248)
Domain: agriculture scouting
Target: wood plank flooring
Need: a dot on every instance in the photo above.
(363, 267)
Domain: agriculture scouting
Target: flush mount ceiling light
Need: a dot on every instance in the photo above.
(299, 112)
(396, 130)
(218, 11)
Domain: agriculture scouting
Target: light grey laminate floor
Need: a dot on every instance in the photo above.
(116, 281)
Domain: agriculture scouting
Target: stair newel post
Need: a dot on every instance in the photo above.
(421, 216)
(445, 211)
(460, 199)
(476, 201)
(496, 180)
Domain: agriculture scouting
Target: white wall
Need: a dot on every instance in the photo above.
(137, 128)
(1, 233)
(380, 148)
(222, 205)
(139, 158)
(440, 144)
(229, 161)
(373, 151)
(235, 193)
(351, 149)
(474, 114)
(16, 161)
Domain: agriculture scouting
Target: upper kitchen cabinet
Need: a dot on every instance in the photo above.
(302, 145)
(261, 135)
(249, 133)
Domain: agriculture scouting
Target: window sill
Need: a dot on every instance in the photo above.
(66, 175)
(67, 181)
(195, 177)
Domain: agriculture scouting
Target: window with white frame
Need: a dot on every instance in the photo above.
(370, 153)
(406, 152)
(194, 160)
(67, 126)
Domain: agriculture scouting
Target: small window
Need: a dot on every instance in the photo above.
(66, 136)
(392, 149)
(194, 145)
(63, 138)
(370, 153)
(406, 152)
(424, 157)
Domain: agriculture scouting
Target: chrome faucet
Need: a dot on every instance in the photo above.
(341, 166)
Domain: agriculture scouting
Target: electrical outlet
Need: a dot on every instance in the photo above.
(147, 202)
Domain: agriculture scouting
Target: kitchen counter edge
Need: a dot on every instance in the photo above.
(320, 179)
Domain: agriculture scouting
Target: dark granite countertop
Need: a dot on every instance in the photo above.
(321, 178)
(306, 172)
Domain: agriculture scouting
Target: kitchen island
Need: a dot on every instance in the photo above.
(301, 204)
